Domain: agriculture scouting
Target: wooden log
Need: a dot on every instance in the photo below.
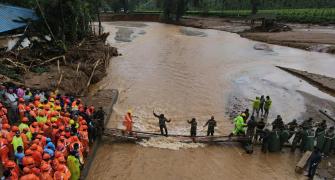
(58, 67)
(299, 168)
(50, 60)
(327, 115)
(95, 66)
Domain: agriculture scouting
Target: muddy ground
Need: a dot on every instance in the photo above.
(304, 36)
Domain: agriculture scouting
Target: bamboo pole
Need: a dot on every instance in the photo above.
(89, 80)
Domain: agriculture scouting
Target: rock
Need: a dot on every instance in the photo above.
(262, 46)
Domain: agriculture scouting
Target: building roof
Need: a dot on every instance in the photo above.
(12, 17)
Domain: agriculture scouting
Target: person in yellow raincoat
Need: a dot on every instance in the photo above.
(74, 166)
(24, 124)
(17, 141)
(239, 125)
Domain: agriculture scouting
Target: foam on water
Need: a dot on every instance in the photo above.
(169, 143)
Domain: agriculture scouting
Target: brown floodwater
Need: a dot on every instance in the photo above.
(186, 72)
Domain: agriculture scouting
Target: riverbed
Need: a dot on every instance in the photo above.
(185, 72)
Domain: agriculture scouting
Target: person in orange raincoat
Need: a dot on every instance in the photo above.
(13, 168)
(62, 162)
(37, 101)
(3, 110)
(5, 130)
(36, 155)
(84, 138)
(4, 150)
(21, 108)
(34, 128)
(47, 173)
(128, 122)
(28, 174)
(28, 160)
(24, 138)
(60, 174)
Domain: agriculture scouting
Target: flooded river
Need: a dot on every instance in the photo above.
(186, 72)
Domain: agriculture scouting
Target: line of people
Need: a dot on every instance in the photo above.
(44, 135)
(162, 120)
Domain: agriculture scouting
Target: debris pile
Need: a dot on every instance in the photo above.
(45, 66)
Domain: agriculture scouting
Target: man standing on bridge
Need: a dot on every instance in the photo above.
(194, 124)
(128, 122)
(211, 125)
(162, 119)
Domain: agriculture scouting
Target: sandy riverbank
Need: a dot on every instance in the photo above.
(304, 36)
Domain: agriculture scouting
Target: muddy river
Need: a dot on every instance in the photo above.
(185, 72)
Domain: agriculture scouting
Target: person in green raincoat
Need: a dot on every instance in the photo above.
(329, 141)
(74, 165)
(41, 118)
(320, 138)
(24, 124)
(17, 141)
(239, 125)
(310, 138)
(256, 106)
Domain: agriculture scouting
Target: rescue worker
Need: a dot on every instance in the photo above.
(162, 123)
(21, 108)
(128, 122)
(278, 123)
(13, 169)
(4, 150)
(246, 117)
(291, 126)
(74, 166)
(193, 130)
(259, 130)
(307, 124)
(239, 125)
(314, 161)
(46, 173)
(17, 141)
(297, 138)
(256, 106)
(261, 105)
(29, 175)
(211, 123)
(251, 127)
(99, 117)
(321, 126)
(329, 140)
(36, 155)
(24, 123)
(60, 173)
(267, 106)
(62, 162)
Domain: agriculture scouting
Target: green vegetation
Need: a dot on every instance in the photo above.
(311, 11)
(326, 15)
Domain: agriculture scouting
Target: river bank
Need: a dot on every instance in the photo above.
(303, 36)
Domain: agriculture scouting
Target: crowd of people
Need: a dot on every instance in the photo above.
(308, 135)
(45, 135)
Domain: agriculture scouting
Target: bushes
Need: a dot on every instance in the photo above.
(326, 15)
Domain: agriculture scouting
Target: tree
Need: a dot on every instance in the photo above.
(254, 6)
